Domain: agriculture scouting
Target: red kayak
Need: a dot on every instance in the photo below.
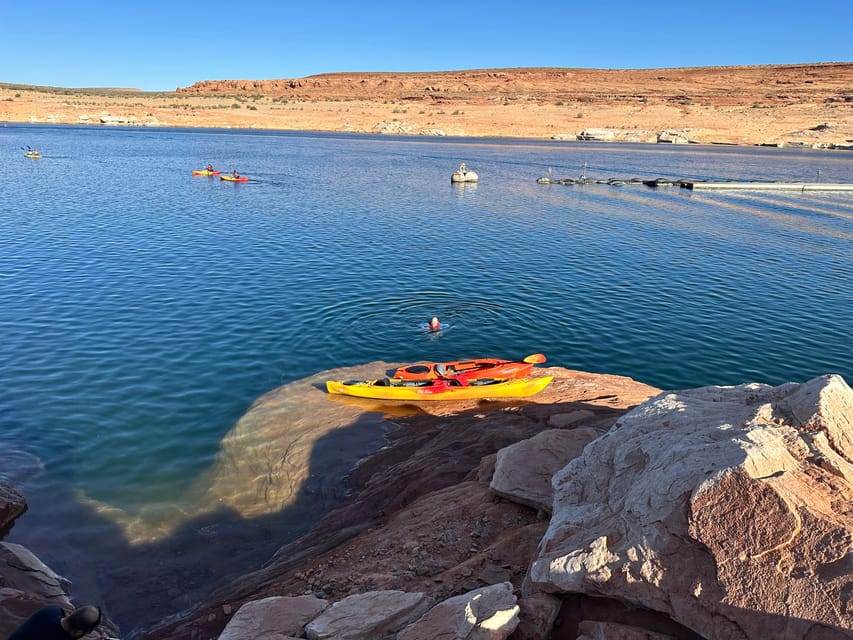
(233, 179)
(470, 369)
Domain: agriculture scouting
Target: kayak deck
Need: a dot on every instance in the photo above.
(391, 389)
(470, 369)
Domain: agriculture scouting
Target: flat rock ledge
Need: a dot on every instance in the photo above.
(709, 513)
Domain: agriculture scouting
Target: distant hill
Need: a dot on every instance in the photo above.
(719, 86)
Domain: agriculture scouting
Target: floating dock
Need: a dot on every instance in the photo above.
(702, 185)
(768, 186)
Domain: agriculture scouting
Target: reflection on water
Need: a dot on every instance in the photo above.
(143, 310)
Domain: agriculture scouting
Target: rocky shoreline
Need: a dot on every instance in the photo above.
(801, 105)
(602, 508)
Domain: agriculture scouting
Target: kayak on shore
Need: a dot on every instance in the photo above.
(470, 369)
(439, 388)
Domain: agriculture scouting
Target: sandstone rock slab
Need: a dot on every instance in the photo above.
(726, 508)
(26, 585)
(364, 616)
(273, 618)
(12, 504)
(489, 613)
(523, 470)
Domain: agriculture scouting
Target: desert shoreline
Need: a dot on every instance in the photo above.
(807, 106)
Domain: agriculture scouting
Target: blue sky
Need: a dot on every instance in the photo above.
(159, 46)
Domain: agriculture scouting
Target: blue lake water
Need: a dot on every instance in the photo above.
(142, 310)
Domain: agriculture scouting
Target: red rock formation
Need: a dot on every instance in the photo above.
(770, 84)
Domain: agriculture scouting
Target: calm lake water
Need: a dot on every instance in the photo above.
(142, 310)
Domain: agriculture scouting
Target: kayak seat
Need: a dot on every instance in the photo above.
(418, 368)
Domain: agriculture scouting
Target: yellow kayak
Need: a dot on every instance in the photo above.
(32, 154)
(438, 389)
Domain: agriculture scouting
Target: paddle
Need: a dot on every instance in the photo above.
(535, 358)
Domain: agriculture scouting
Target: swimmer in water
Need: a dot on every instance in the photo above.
(434, 324)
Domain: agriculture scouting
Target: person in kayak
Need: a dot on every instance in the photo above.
(235, 174)
(434, 324)
(210, 168)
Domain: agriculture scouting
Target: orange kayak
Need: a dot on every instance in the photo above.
(474, 369)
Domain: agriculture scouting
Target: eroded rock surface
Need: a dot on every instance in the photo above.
(726, 508)
(422, 517)
(719, 512)
(26, 585)
(375, 614)
(274, 618)
(523, 470)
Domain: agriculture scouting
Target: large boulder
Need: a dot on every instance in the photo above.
(523, 470)
(362, 616)
(726, 508)
(273, 618)
(490, 613)
(26, 585)
(12, 504)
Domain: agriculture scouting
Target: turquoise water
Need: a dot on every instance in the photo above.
(142, 310)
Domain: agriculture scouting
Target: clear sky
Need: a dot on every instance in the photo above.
(160, 46)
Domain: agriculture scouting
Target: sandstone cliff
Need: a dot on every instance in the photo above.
(803, 104)
(718, 86)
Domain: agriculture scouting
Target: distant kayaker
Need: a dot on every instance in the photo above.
(210, 168)
(434, 324)
(463, 168)
(235, 174)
